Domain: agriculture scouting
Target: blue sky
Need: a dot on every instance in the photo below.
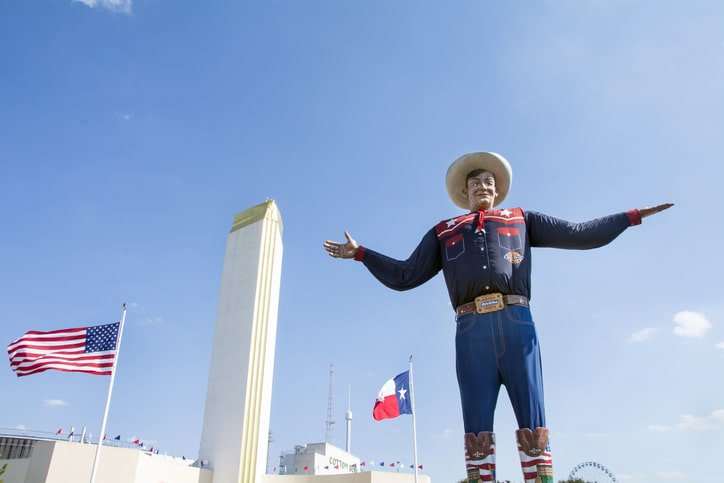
(131, 133)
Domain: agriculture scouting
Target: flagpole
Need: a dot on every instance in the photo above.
(108, 399)
(414, 430)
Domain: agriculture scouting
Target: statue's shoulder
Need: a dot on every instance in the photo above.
(451, 225)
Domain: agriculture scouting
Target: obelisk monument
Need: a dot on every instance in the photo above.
(238, 399)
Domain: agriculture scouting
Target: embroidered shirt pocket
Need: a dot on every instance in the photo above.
(509, 238)
(454, 246)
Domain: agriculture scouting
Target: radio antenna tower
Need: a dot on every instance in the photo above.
(330, 406)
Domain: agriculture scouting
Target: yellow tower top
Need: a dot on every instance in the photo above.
(267, 209)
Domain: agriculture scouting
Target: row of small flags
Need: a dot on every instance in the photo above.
(382, 463)
(137, 442)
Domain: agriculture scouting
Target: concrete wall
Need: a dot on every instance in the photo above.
(155, 469)
(68, 462)
(74, 462)
(364, 477)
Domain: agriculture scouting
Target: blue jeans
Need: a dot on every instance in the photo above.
(493, 349)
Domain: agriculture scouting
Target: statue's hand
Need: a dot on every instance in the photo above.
(342, 250)
(654, 209)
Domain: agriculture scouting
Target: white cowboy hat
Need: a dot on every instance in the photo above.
(458, 171)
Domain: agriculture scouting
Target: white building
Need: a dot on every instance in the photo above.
(44, 460)
(318, 459)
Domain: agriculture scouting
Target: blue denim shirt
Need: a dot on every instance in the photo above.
(490, 251)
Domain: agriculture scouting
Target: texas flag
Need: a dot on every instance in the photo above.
(394, 398)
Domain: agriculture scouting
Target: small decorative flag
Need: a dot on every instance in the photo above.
(118, 437)
(60, 430)
(86, 349)
(394, 398)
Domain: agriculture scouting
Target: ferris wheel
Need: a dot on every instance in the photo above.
(592, 472)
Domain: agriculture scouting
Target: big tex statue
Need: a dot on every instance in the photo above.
(485, 257)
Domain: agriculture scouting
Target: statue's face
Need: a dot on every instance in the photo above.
(480, 191)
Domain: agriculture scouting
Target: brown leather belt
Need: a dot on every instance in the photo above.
(490, 303)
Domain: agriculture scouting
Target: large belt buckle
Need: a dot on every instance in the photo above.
(491, 302)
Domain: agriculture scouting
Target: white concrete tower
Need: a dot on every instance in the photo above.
(238, 398)
(348, 418)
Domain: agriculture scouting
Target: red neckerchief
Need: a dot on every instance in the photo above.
(481, 217)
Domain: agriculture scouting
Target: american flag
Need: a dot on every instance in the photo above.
(86, 349)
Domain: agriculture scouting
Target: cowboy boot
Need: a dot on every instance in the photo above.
(480, 457)
(535, 455)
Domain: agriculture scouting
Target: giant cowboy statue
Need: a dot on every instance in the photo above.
(485, 256)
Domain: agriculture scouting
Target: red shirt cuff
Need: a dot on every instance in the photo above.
(634, 217)
(360, 254)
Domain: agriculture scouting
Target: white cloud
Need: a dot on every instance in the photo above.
(659, 428)
(690, 324)
(151, 321)
(121, 6)
(713, 421)
(720, 345)
(54, 403)
(643, 334)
